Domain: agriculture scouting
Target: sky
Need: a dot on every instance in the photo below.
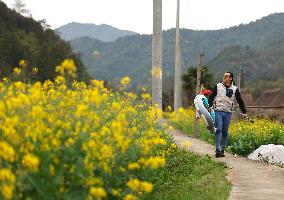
(137, 15)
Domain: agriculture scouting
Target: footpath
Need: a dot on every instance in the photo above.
(250, 179)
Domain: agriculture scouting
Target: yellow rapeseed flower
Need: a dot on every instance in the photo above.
(51, 170)
(133, 166)
(115, 106)
(125, 81)
(146, 186)
(115, 192)
(7, 191)
(134, 184)
(59, 80)
(97, 192)
(7, 175)
(155, 162)
(17, 71)
(130, 197)
(31, 162)
(23, 63)
(7, 152)
(156, 72)
(5, 79)
(67, 66)
(98, 83)
(146, 96)
(140, 186)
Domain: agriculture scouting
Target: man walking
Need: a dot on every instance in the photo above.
(222, 100)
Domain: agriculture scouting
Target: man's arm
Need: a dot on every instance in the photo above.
(240, 101)
(212, 96)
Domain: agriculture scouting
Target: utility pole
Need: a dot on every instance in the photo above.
(157, 54)
(240, 78)
(177, 92)
(197, 89)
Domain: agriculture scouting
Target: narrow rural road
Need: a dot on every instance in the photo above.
(250, 179)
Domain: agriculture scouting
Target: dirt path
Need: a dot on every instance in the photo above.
(250, 179)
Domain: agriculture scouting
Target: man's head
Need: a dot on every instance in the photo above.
(228, 78)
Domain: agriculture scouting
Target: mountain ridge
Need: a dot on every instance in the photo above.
(132, 54)
(104, 32)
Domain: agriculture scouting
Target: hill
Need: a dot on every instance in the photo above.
(25, 38)
(265, 64)
(101, 32)
(131, 55)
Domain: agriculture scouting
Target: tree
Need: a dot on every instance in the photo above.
(157, 54)
(44, 24)
(20, 7)
(189, 81)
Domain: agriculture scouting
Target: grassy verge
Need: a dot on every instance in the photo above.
(188, 127)
(189, 176)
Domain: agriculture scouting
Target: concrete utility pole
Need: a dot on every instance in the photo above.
(177, 93)
(198, 74)
(197, 89)
(157, 39)
(240, 78)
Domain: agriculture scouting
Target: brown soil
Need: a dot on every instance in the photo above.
(271, 97)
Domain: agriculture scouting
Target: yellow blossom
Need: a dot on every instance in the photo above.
(140, 186)
(7, 175)
(130, 197)
(115, 106)
(31, 162)
(98, 192)
(155, 162)
(156, 72)
(98, 84)
(7, 191)
(7, 152)
(17, 71)
(133, 166)
(116, 192)
(59, 80)
(67, 66)
(125, 81)
(23, 63)
(51, 170)
(134, 184)
(146, 96)
(147, 187)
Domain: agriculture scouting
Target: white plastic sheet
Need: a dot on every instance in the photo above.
(269, 153)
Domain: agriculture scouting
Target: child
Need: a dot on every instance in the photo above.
(207, 93)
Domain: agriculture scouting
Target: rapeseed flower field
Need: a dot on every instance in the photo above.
(78, 140)
(244, 137)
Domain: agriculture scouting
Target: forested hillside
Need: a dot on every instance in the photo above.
(131, 55)
(23, 38)
(265, 64)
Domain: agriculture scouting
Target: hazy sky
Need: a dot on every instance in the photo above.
(136, 15)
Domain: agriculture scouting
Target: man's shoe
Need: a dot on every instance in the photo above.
(219, 154)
